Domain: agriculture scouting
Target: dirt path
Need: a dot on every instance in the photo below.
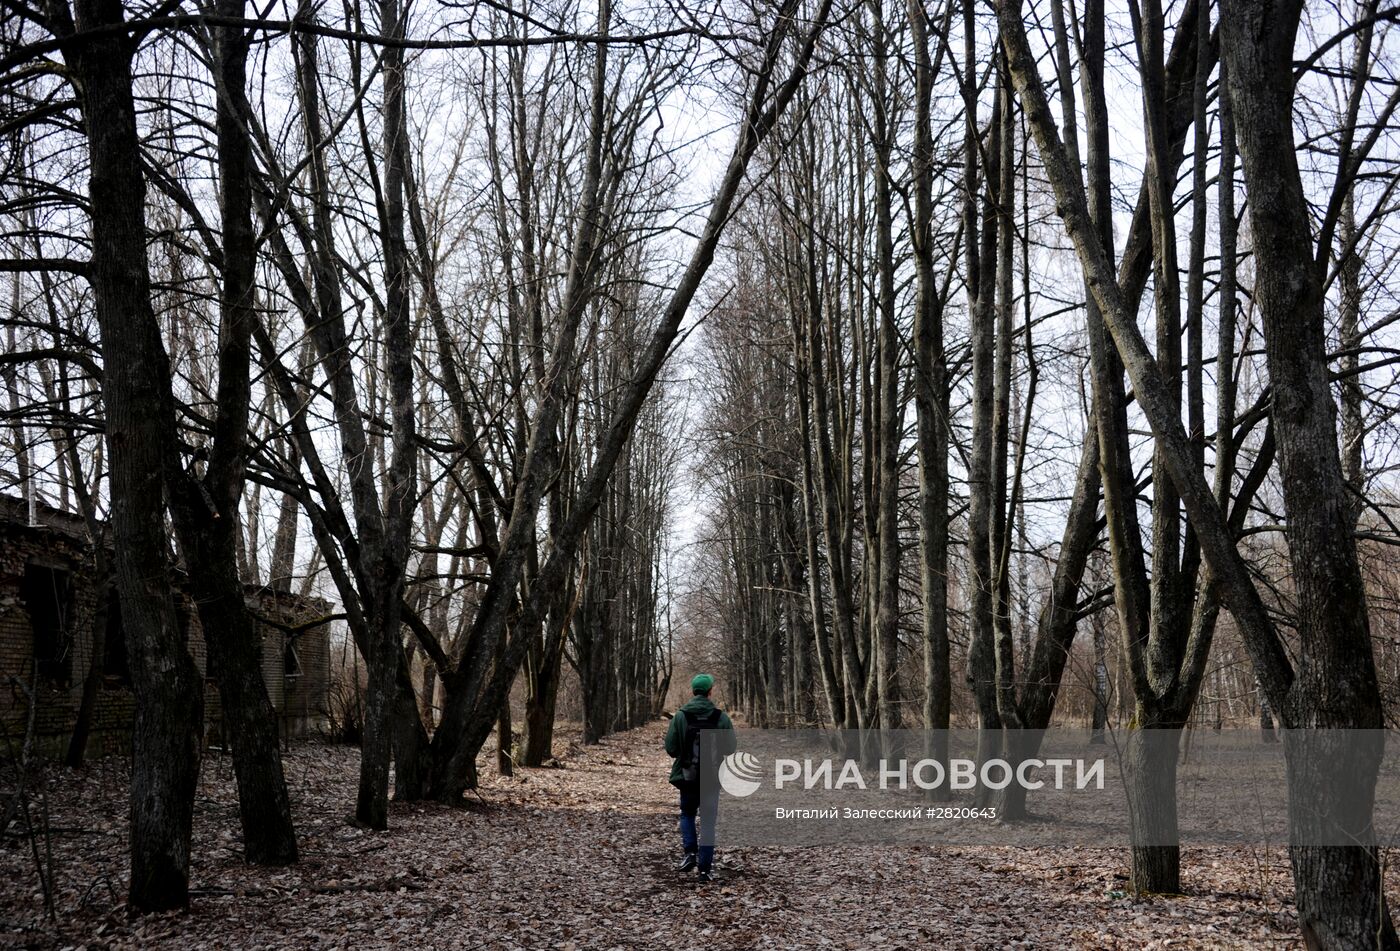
(580, 857)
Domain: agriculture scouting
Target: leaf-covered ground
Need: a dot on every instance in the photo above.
(580, 857)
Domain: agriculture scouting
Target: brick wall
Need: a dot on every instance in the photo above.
(300, 699)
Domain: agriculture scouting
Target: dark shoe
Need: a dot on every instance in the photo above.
(687, 863)
(704, 876)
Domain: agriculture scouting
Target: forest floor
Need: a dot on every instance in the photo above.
(580, 857)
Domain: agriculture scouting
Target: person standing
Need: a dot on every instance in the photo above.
(699, 801)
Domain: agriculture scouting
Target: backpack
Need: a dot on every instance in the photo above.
(690, 747)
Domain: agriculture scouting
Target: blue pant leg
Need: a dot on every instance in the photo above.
(709, 816)
(690, 805)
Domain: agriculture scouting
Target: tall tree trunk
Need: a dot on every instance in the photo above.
(205, 511)
(101, 570)
(886, 482)
(982, 288)
(931, 404)
(412, 764)
(1003, 642)
(386, 556)
(1339, 893)
(1349, 332)
(1164, 619)
(140, 418)
(1098, 726)
(826, 660)
(542, 678)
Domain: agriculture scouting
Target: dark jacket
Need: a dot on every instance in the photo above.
(675, 734)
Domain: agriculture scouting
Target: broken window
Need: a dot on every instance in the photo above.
(48, 597)
(291, 663)
(115, 665)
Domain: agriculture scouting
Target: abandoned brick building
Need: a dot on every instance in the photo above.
(50, 600)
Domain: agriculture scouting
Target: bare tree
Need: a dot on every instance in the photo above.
(139, 411)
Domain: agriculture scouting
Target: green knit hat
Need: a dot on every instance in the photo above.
(702, 683)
